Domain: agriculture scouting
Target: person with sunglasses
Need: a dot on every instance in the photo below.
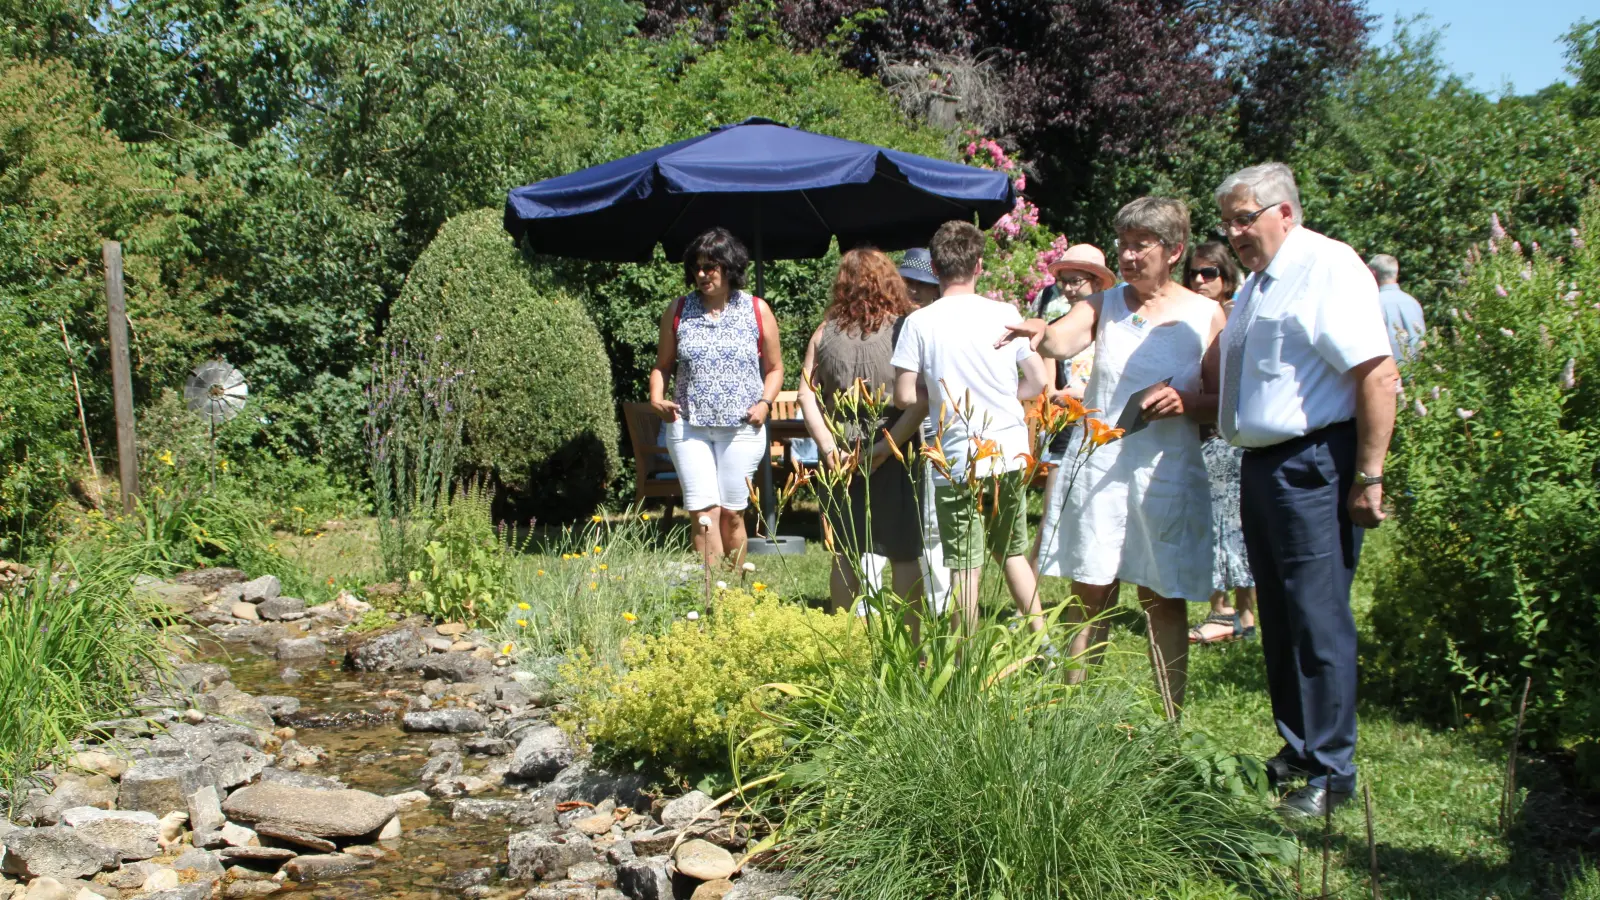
(1212, 273)
(719, 348)
(1308, 390)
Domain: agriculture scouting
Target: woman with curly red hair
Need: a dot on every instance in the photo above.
(877, 513)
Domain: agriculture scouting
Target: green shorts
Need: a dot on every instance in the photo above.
(969, 525)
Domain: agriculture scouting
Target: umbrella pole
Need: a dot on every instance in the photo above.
(769, 495)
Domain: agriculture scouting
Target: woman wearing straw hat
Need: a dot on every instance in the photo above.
(1080, 273)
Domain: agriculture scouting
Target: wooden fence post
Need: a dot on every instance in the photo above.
(121, 373)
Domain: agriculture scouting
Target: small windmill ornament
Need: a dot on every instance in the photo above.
(216, 392)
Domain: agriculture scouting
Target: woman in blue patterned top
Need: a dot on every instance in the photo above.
(719, 345)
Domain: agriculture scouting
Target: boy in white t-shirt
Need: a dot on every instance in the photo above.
(947, 350)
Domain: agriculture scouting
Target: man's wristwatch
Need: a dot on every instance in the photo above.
(1365, 480)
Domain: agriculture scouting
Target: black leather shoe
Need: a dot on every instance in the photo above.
(1311, 802)
(1281, 770)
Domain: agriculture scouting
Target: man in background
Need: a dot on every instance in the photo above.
(1402, 314)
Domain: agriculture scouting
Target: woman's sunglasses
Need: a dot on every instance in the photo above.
(1206, 272)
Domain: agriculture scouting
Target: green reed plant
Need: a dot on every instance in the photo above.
(415, 411)
(75, 646)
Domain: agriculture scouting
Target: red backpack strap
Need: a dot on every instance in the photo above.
(760, 328)
(677, 313)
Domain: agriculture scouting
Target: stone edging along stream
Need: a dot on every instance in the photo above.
(209, 790)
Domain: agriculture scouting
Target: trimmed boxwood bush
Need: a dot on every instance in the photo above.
(541, 417)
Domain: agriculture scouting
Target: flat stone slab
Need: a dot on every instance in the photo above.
(322, 867)
(323, 813)
(447, 721)
(131, 835)
(295, 836)
(55, 852)
(258, 854)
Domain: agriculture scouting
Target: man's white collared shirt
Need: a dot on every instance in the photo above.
(1316, 318)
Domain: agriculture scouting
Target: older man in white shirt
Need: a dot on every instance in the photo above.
(1308, 389)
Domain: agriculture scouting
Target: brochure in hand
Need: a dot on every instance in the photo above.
(1132, 419)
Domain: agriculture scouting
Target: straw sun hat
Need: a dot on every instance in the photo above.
(1088, 259)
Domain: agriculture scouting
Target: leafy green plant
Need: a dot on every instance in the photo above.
(465, 576)
(1494, 484)
(74, 646)
(681, 698)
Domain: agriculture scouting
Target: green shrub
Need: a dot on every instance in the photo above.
(1010, 791)
(1493, 475)
(1584, 883)
(73, 649)
(683, 693)
(541, 416)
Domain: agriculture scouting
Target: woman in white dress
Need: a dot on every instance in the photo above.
(1139, 510)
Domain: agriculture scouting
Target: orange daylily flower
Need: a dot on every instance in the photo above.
(984, 449)
(1073, 409)
(1101, 434)
(893, 448)
(935, 455)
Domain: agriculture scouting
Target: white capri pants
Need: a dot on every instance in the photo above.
(714, 461)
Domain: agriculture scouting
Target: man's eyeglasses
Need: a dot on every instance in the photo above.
(1207, 273)
(1138, 249)
(1245, 220)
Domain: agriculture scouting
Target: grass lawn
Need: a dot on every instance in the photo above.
(1435, 790)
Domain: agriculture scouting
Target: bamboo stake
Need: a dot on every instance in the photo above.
(1299, 867)
(1509, 791)
(77, 393)
(1327, 835)
(1167, 704)
(1372, 844)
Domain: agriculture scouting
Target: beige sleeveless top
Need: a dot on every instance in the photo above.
(841, 359)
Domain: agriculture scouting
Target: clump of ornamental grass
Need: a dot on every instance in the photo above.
(591, 587)
(75, 646)
(975, 773)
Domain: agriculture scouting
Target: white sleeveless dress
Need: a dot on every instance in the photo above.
(1140, 508)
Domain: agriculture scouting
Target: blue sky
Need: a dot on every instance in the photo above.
(1490, 42)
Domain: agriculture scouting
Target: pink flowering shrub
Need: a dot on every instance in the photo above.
(1496, 554)
(1019, 248)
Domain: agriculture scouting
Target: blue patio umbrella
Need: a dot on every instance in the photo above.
(785, 192)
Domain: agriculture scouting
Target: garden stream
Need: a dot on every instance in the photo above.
(368, 751)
